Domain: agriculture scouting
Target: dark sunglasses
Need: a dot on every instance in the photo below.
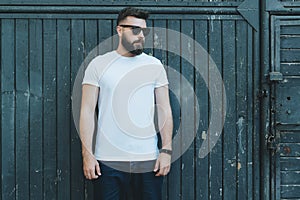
(136, 29)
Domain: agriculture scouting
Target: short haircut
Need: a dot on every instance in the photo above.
(134, 12)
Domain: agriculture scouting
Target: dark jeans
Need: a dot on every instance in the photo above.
(128, 181)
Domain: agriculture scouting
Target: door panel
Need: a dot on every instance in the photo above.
(41, 51)
(287, 111)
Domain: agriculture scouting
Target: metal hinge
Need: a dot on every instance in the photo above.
(275, 76)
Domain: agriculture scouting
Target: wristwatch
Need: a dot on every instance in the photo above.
(167, 151)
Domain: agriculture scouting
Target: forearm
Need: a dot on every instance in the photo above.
(87, 127)
(166, 131)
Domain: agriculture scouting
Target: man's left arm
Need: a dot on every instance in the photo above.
(165, 124)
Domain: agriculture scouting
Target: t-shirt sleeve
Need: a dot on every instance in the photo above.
(91, 75)
(162, 79)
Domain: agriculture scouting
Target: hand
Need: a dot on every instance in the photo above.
(91, 168)
(163, 164)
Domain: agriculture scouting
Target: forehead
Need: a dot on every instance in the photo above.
(130, 20)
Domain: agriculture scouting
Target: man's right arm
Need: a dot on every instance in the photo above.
(89, 100)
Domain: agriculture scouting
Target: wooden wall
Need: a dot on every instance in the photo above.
(43, 45)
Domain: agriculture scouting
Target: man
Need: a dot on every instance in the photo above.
(125, 83)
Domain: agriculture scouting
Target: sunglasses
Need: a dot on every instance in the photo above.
(136, 29)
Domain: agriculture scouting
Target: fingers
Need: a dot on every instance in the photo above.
(92, 172)
(163, 171)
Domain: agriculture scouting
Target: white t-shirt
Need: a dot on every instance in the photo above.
(126, 130)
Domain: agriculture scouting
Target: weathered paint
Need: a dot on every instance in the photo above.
(43, 46)
(283, 130)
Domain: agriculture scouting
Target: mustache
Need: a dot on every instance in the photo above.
(138, 41)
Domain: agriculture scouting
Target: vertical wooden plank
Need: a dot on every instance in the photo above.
(8, 109)
(256, 117)
(174, 178)
(250, 108)
(114, 32)
(230, 163)
(90, 42)
(201, 89)
(36, 108)
(77, 57)
(1, 110)
(91, 35)
(105, 32)
(22, 110)
(49, 110)
(160, 41)
(149, 39)
(241, 97)
(216, 174)
(187, 106)
(63, 109)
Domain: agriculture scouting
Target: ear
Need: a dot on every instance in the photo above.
(119, 30)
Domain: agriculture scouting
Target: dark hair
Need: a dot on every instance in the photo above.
(130, 11)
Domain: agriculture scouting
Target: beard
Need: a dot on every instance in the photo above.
(130, 47)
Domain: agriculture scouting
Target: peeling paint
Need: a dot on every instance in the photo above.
(239, 166)
(204, 135)
(212, 18)
(240, 124)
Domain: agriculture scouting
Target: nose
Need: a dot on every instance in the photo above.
(141, 34)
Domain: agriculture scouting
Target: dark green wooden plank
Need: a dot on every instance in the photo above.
(36, 108)
(63, 109)
(290, 191)
(287, 99)
(290, 69)
(257, 119)
(77, 57)
(91, 35)
(290, 42)
(149, 39)
(201, 89)
(162, 56)
(114, 32)
(290, 164)
(22, 109)
(230, 162)
(174, 178)
(250, 108)
(290, 55)
(8, 101)
(105, 30)
(121, 2)
(241, 112)
(290, 149)
(290, 137)
(49, 110)
(90, 42)
(187, 110)
(216, 171)
(160, 40)
(289, 30)
(290, 177)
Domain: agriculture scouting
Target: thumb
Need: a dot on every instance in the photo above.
(156, 166)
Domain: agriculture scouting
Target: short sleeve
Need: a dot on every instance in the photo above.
(162, 79)
(91, 75)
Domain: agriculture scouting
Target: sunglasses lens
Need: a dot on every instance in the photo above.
(146, 31)
(136, 31)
